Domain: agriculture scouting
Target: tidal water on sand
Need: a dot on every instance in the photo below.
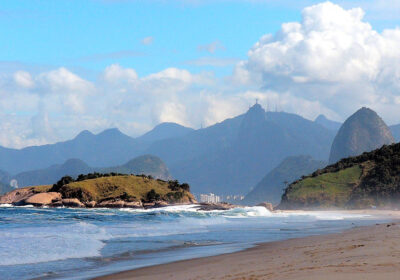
(64, 243)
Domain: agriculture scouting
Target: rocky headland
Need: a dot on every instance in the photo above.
(103, 191)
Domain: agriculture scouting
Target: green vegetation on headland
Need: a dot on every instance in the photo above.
(371, 179)
(271, 187)
(104, 190)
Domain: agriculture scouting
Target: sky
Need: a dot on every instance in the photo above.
(67, 66)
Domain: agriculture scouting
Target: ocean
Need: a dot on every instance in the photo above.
(67, 243)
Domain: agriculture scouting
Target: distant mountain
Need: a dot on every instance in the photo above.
(110, 147)
(5, 177)
(164, 131)
(370, 179)
(329, 124)
(5, 182)
(227, 158)
(50, 175)
(232, 156)
(5, 188)
(271, 187)
(395, 129)
(363, 131)
(147, 164)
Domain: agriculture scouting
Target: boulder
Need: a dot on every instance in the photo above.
(17, 196)
(217, 206)
(112, 204)
(149, 204)
(161, 203)
(90, 204)
(134, 204)
(72, 202)
(57, 204)
(41, 199)
(266, 205)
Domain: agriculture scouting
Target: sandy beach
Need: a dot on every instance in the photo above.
(371, 252)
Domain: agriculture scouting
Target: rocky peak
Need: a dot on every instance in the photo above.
(363, 131)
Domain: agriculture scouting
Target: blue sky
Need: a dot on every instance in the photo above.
(66, 66)
(89, 35)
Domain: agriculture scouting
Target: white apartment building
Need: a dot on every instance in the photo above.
(210, 198)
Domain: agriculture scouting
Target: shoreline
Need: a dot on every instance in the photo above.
(367, 252)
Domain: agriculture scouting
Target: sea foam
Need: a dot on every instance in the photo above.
(43, 244)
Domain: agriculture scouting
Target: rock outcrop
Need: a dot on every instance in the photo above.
(103, 190)
(41, 199)
(267, 205)
(217, 206)
(16, 197)
(72, 202)
(364, 131)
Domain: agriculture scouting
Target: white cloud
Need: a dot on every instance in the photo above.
(115, 73)
(331, 62)
(23, 79)
(332, 56)
(211, 47)
(213, 61)
(148, 40)
(62, 80)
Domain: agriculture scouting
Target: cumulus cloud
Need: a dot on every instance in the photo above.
(23, 79)
(332, 56)
(115, 73)
(331, 62)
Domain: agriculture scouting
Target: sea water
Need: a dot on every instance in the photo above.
(66, 243)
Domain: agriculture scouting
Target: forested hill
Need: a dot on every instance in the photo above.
(371, 179)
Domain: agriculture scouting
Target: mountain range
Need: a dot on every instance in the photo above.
(324, 121)
(230, 157)
(146, 164)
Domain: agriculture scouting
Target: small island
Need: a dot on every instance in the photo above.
(111, 190)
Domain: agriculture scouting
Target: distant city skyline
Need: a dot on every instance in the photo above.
(68, 66)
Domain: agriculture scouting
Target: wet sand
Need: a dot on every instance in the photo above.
(365, 253)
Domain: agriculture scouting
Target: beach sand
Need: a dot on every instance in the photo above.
(365, 253)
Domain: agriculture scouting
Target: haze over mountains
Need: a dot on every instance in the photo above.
(230, 157)
(324, 121)
(247, 148)
(146, 164)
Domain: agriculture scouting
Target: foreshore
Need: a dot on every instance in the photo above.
(371, 252)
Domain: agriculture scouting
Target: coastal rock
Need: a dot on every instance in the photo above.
(56, 204)
(149, 204)
(90, 204)
(267, 205)
(217, 206)
(133, 204)
(41, 199)
(112, 204)
(161, 204)
(17, 196)
(72, 202)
